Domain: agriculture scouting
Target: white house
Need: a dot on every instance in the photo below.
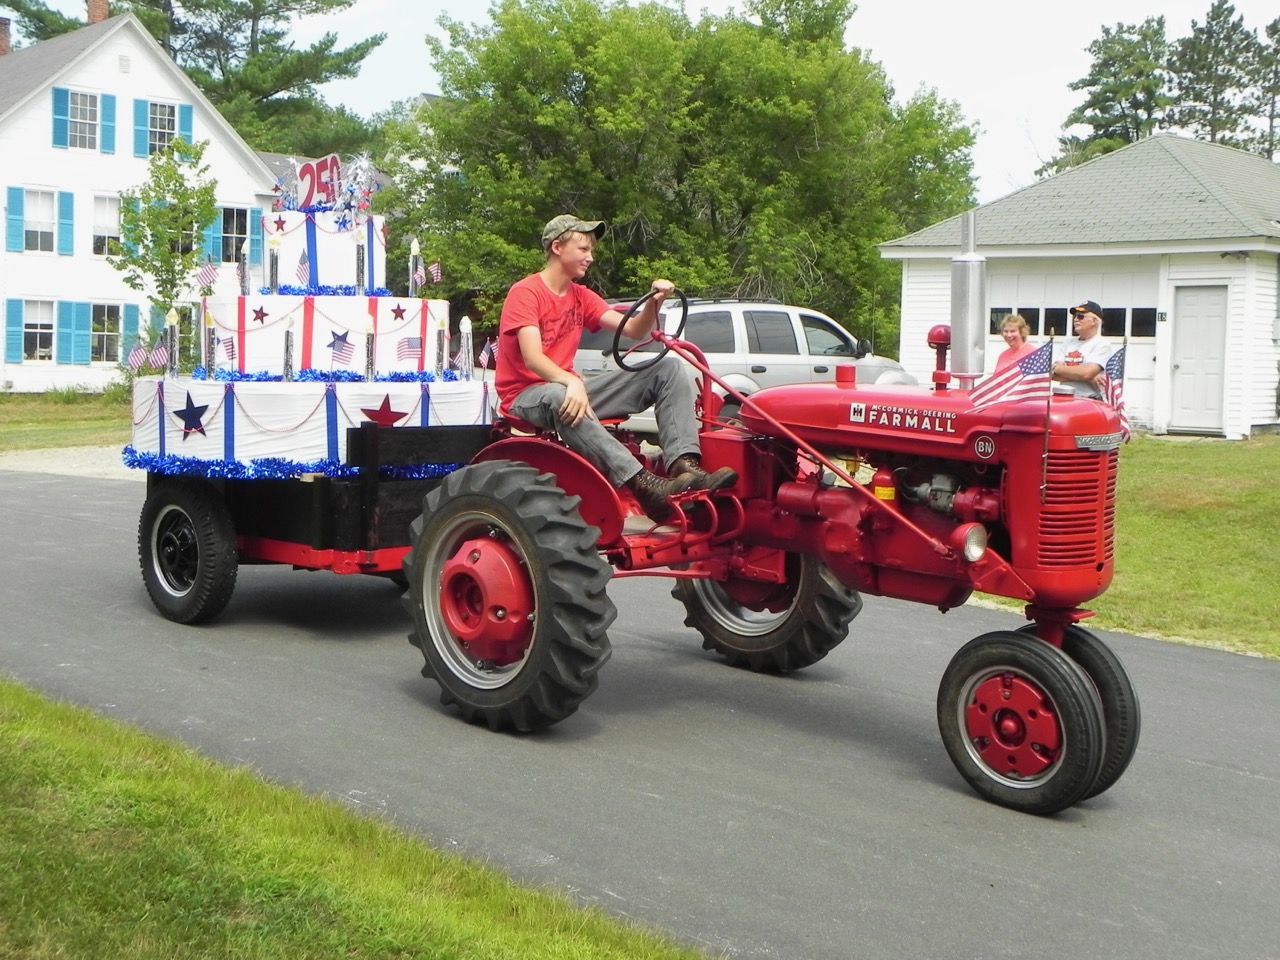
(1177, 239)
(79, 116)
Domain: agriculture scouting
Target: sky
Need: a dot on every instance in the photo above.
(1007, 63)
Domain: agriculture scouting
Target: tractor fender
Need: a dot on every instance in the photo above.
(600, 504)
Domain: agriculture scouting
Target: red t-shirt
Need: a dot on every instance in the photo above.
(530, 303)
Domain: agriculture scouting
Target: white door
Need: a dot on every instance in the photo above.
(1199, 345)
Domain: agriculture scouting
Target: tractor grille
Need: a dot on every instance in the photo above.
(1078, 517)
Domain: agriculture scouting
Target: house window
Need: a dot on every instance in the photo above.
(39, 220)
(1143, 322)
(162, 125)
(104, 337)
(1057, 323)
(1114, 321)
(235, 231)
(37, 330)
(188, 335)
(83, 116)
(106, 225)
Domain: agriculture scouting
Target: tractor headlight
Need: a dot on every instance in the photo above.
(970, 539)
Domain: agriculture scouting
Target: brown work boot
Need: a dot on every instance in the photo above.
(654, 493)
(690, 465)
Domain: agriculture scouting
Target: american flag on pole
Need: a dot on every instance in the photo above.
(1028, 379)
(456, 362)
(488, 354)
(343, 349)
(137, 358)
(159, 356)
(304, 269)
(140, 357)
(207, 275)
(1113, 389)
(419, 275)
(434, 270)
(409, 348)
(228, 347)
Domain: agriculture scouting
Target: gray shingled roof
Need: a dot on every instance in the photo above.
(22, 72)
(1161, 189)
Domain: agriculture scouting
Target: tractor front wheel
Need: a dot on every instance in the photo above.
(1120, 710)
(771, 627)
(507, 594)
(1022, 722)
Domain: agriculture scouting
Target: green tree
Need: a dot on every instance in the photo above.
(1267, 107)
(239, 55)
(737, 158)
(1214, 72)
(161, 222)
(1126, 93)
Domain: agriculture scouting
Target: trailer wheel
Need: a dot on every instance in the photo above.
(1021, 722)
(507, 594)
(766, 627)
(187, 550)
(1120, 710)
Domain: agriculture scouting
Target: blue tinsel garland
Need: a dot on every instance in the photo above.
(321, 290)
(270, 468)
(311, 375)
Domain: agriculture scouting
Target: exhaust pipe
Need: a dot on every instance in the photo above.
(968, 306)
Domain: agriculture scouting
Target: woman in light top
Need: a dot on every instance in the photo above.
(1015, 332)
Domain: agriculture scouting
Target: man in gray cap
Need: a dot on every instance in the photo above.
(538, 335)
(1079, 360)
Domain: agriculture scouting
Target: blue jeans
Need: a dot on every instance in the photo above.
(663, 386)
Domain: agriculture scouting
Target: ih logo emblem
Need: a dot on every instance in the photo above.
(857, 413)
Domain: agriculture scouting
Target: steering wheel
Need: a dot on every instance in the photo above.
(635, 308)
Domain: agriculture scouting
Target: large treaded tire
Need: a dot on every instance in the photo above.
(793, 627)
(502, 562)
(1022, 722)
(187, 550)
(1120, 708)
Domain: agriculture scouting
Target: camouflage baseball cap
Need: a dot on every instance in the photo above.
(559, 226)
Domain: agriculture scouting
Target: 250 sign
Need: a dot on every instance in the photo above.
(318, 181)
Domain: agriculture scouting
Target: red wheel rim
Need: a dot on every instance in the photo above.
(487, 601)
(1013, 726)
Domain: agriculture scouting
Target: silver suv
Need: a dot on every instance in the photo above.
(752, 344)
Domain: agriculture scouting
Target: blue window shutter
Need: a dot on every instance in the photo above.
(107, 135)
(81, 329)
(66, 224)
(255, 237)
(186, 114)
(61, 116)
(212, 247)
(13, 331)
(140, 122)
(129, 335)
(64, 333)
(14, 238)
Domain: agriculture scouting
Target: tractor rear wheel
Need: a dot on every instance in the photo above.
(771, 627)
(187, 549)
(507, 594)
(1120, 710)
(1022, 722)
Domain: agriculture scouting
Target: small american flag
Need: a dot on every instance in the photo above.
(159, 356)
(434, 270)
(207, 275)
(1113, 389)
(419, 275)
(409, 348)
(137, 358)
(488, 354)
(456, 362)
(1027, 379)
(240, 278)
(229, 347)
(304, 269)
(343, 349)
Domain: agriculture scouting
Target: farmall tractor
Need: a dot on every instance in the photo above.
(843, 489)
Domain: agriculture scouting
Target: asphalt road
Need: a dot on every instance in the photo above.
(812, 817)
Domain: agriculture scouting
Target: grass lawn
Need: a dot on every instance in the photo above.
(117, 845)
(64, 418)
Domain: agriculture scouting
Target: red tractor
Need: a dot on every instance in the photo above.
(897, 491)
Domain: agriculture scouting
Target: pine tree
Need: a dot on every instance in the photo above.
(1267, 104)
(1213, 77)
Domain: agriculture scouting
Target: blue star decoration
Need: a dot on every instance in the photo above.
(339, 340)
(191, 416)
